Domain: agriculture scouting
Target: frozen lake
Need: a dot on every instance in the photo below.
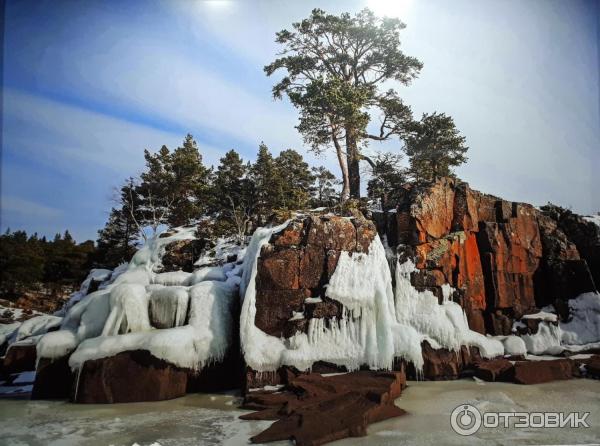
(212, 419)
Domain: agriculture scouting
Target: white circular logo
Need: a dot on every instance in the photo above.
(465, 419)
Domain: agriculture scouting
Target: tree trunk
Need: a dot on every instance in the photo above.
(344, 167)
(353, 162)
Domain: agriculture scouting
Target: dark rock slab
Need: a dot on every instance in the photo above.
(537, 372)
(313, 409)
(53, 379)
(495, 370)
(129, 377)
(19, 358)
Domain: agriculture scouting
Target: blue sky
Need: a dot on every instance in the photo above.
(87, 86)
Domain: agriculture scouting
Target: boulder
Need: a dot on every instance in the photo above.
(537, 372)
(53, 379)
(495, 370)
(129, 376)
(19, 358)
(443, 364)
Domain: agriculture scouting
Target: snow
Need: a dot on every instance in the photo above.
(445, 324)
(584, 327)
(513, 345)
(580, 332)
(96, 274)
(542, 315)
(128, 310)
(7, 330)
(204, 340)
(36, 326)
(224, 249)
(593, 218)
(192, 313)
(24, 378)
(313, 300)
(546, 340)
(207, 273)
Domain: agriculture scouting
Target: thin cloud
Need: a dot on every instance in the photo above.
(27, 208)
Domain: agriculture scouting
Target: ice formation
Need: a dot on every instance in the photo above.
(442, 325)
(186, 318)
(183, 318)
(375, 328)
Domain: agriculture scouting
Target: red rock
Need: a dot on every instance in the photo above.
(128, 377)
(53, 379)
(465, 209)
(274, 309)
(278, 270)
(443, 364)
(314, 410)
(19, 358)
(434, 211)
(312, 267)
(326, 309)
(495, 370)
(334, 232)
(365, 233)
(537, 372)
(181, 255)
(332, 261)
(290, 236)
(592, 366)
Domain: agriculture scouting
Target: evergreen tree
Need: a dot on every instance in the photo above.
(21, 262)
(174, 188)
(116, 241)
(434, 146)
(387, 177)
(268, 183)
(233, 193)
(324, 193)
(296, 180)
(335, 67)
(190, 184)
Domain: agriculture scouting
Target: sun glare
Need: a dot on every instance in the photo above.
(390, 8)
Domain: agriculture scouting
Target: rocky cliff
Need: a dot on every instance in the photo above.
(450, 279)
(504, 259)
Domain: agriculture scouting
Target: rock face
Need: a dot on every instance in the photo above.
(129, 377)
(504, 259)
(297, 264)
(313, 409)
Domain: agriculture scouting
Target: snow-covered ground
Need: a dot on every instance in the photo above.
(213, 419)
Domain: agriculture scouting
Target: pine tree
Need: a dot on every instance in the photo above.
(174, 188)
(335, 68)
(295, 189)
(190, 185)
(116, 241)
(387, 177)
(324, 193)
(434, 146)
(233, 193)
(267, 182)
